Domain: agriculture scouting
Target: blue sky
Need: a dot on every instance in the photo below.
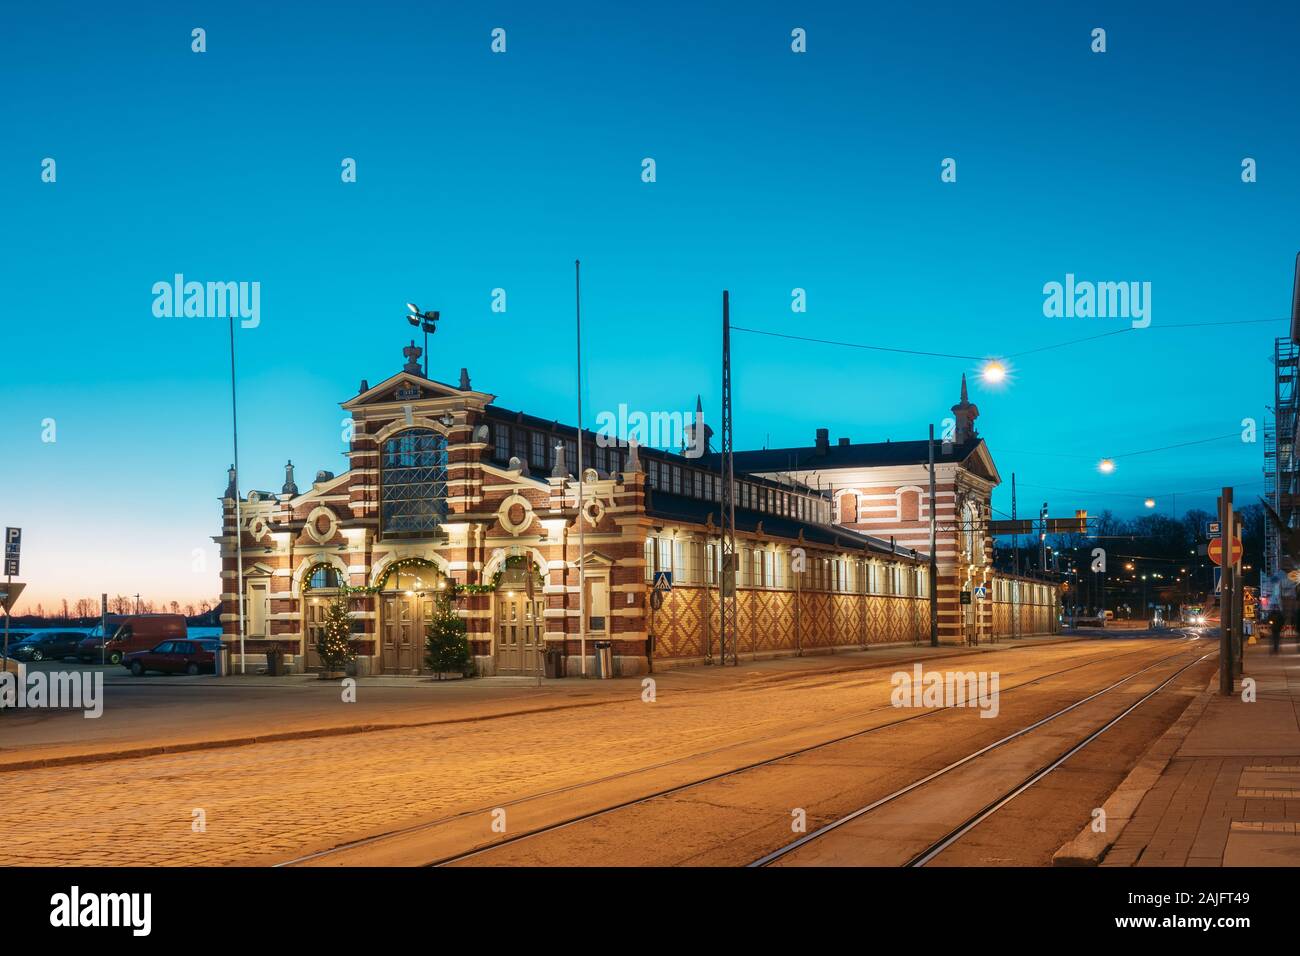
(774, 171)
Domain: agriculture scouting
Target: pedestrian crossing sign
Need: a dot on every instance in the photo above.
(663, 581)
(981, 591)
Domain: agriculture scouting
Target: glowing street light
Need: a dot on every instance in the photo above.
(1106, 466)
(1150, 502)
(994, 372)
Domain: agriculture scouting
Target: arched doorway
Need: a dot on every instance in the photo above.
(320, 588)
(518, 616)
(408, 594)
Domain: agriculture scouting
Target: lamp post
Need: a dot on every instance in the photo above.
(426, 322)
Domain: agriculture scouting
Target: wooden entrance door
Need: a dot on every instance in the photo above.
(405, 621)
(316, 607)
(518, 641)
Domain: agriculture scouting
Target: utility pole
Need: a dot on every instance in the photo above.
(727, 606)
(934, 565)
(1015, 584)
(1042, 540)
(582, 540)
(1225, 595)
(239, 523)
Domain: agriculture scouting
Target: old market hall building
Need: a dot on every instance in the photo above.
(445, 485)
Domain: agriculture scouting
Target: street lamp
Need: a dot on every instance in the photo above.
(1150, 502)
(425, 322)
(994, 372)
(1106, 466)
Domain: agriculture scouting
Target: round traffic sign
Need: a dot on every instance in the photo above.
(1215, 550)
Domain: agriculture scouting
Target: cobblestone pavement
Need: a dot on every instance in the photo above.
(272, 801)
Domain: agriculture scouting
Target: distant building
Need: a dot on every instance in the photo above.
(445, 487)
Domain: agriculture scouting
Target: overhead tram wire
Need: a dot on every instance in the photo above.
(980, 358)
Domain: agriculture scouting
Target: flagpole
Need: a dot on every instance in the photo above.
(239, 533)
(582, 540)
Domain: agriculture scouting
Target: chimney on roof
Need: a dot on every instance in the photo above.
(823, 439)
(844, 443)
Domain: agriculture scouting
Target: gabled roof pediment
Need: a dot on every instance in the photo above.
(405, 387)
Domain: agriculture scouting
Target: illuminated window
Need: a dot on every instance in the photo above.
(413, 480)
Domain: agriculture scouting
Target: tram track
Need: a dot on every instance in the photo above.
(935, 848)
(359, 847)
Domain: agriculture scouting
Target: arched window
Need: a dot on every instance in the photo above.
(909, 506)
(413, 482)
(324, 577)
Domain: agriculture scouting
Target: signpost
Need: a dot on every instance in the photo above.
(1225, 604)
(1215, 550)
(13, 549)
(663, 584)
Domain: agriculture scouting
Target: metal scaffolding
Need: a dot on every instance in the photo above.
(1281, 478)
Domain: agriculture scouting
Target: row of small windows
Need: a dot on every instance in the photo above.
(1015, 591)
(538, 449)
(706, 486)
(699, 562)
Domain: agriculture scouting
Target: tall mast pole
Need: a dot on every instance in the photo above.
(239, 526)
(582, 538)
(934, 565)
(727, 605)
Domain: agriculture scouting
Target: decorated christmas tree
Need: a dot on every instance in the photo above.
(334, 644)
(446, 646)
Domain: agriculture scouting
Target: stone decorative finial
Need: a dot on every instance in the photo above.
(965, 413)
(413, 353)
(289, 487)
(231, 491)
(464, 380)
(559, 471)
(365, 387)
(633, 459)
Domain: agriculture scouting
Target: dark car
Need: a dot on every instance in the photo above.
(48, 646)
(173, 657)
(16, 637)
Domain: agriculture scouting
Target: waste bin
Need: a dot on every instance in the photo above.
(554, 663)
(604, 660)
(223, 660)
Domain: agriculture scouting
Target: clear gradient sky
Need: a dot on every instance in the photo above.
(775, 170)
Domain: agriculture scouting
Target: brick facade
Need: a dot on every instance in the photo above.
(504, 488)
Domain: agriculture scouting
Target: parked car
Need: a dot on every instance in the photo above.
(48, 646)
(173, 657)
(140, 632)
(16, 637)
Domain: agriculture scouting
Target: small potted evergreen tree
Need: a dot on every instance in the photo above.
(335, 642)
(446, 644)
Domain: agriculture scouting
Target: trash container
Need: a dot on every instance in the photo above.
(554, 663)
(223, 660)
(274, 663)
(604, 660)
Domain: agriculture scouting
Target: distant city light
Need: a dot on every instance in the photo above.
(1106, 466)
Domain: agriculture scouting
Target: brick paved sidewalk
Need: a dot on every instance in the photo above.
(1230, 793)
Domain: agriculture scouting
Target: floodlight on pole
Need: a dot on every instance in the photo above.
(426, 322)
